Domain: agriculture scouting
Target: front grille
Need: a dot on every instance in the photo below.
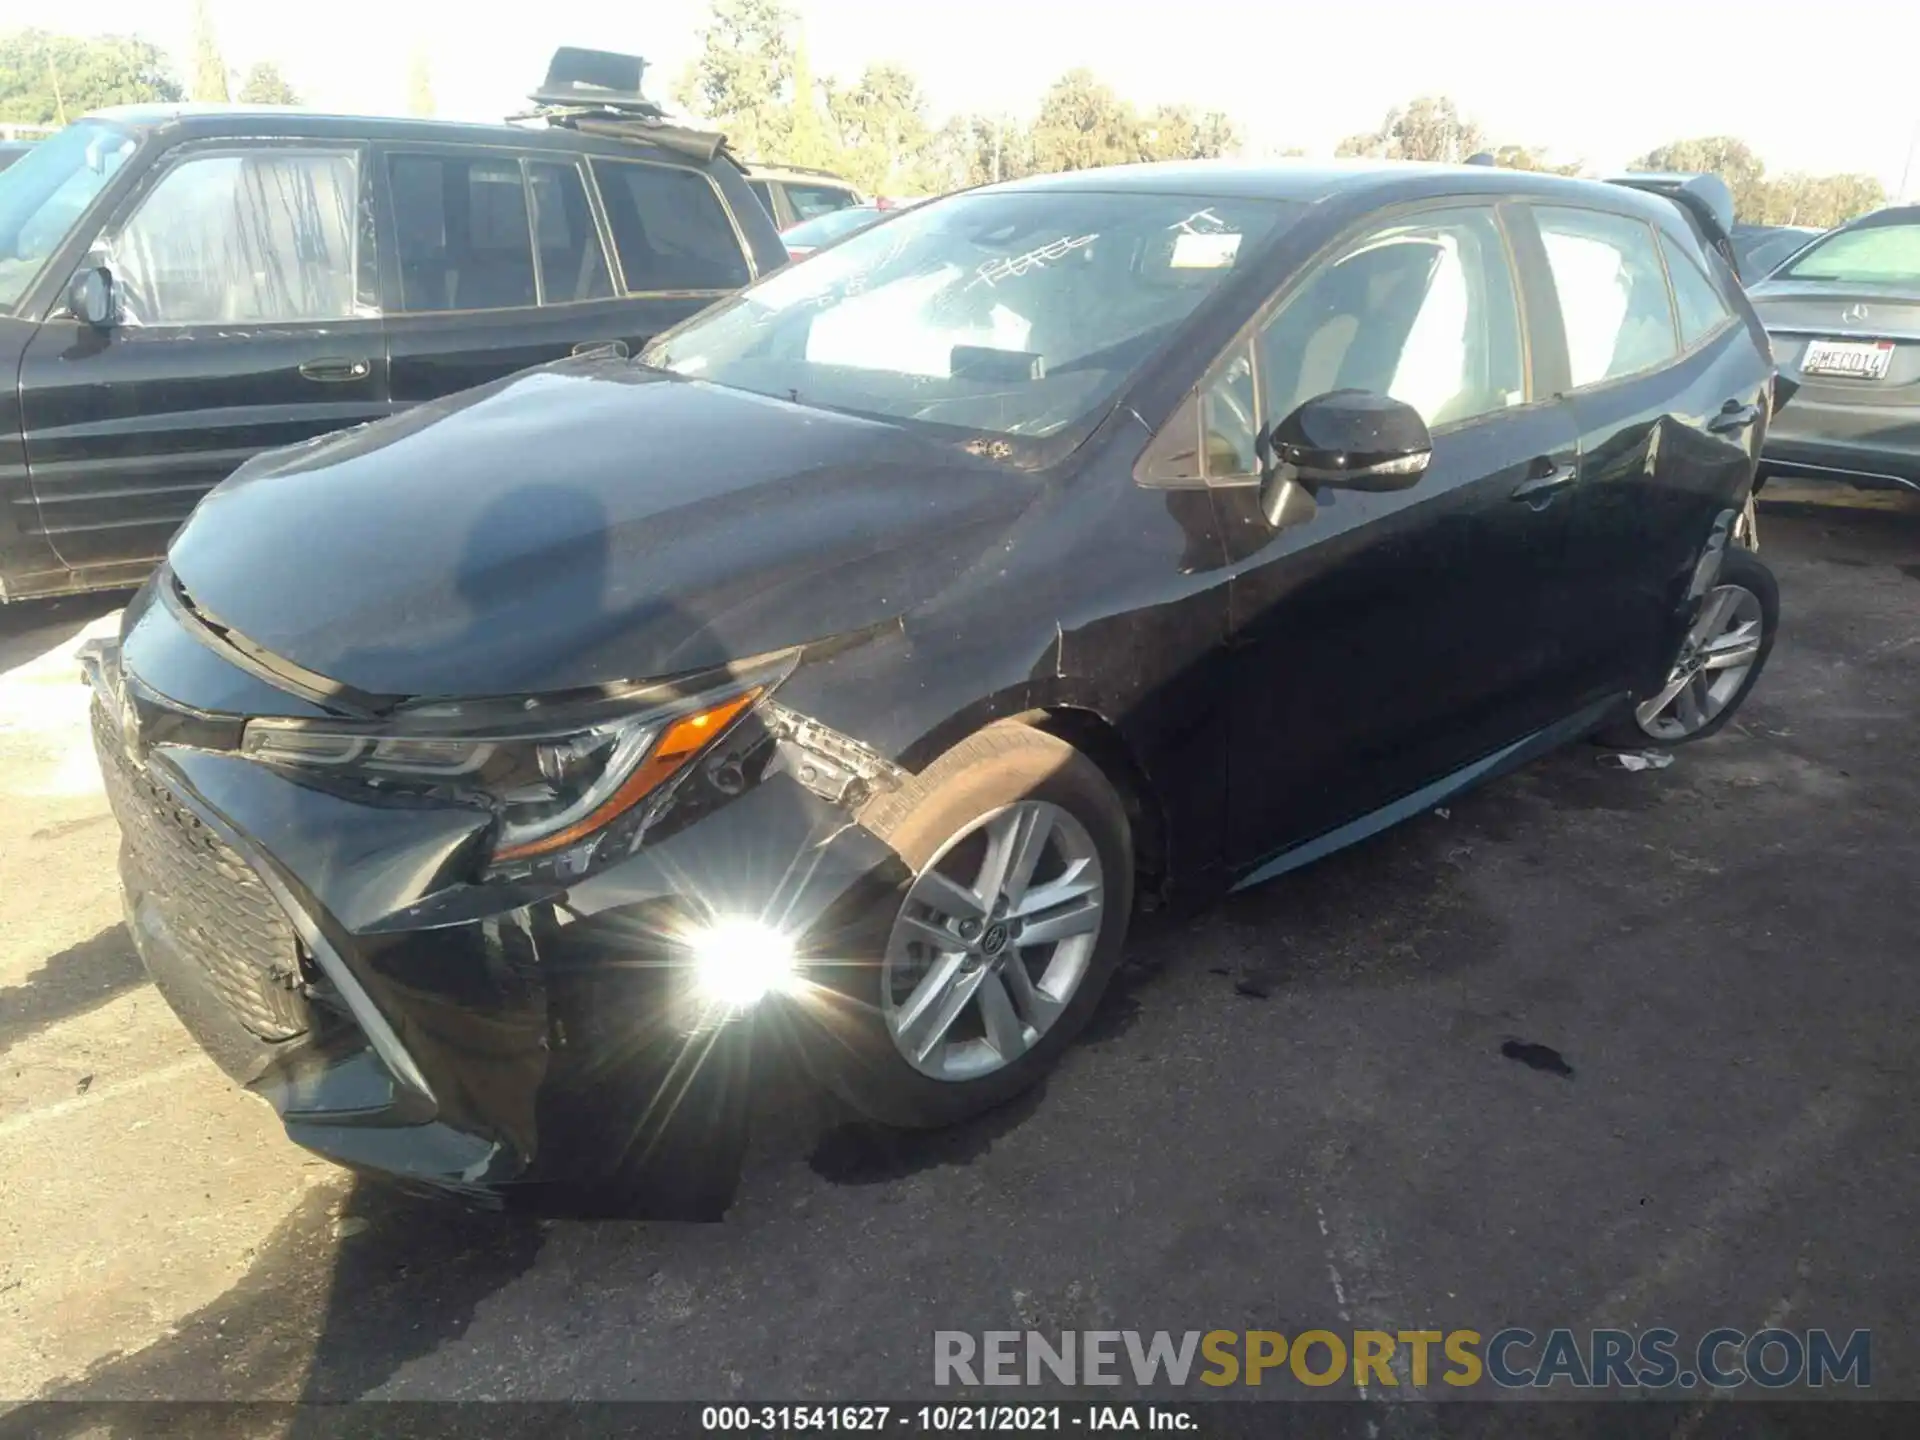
(213, 904)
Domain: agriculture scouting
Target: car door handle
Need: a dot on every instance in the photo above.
(1548, 480)
(334, 369)
(616, 348)
(1733, 418)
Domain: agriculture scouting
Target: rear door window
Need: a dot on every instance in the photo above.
(1613, 292)
(260, 237)
(670, 228)
(462, 232)
(573, 266)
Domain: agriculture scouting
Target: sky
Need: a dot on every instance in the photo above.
(1809, 86)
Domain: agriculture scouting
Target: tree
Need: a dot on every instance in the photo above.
(209, 69)
(753, 79)
(1818, 200)
(1794, 199)
(1525, 157)
(1175, 132)
(885, 140)
(742, 78)
(809, 140)
(1082, 124)
(420, 85)
(982, 150)
(1732, 160)
(1429, 128)
(265, 85)
(50, 79)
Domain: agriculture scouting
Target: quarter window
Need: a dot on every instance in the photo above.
(1702, 310)
(1229, 421)
(669, 227)
(572, 264)
(1613, 293)
(462, 232)
(266, 237)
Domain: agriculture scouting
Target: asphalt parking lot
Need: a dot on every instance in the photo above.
(1312, 1107)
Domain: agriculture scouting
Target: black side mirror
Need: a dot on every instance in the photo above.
(90, 296)
(1351, 440)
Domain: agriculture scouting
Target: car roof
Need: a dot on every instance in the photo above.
(1885, 215)
(214, 120)
(800, 173)
(1312, 181)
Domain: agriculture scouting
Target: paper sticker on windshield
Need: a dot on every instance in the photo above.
(1204, 252)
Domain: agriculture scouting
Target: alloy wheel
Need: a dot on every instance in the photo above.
(1715, 658)
(992, 941)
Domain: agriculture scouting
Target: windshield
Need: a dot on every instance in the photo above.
(1014, 313)
(1875, 255)
(43, 193)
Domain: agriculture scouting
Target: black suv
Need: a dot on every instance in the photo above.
(182, 288)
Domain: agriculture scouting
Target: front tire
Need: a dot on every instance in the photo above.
(997, 950)
(1719, 662)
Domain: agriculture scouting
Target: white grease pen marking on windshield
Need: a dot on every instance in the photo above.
(1214, 222)
(994, 271)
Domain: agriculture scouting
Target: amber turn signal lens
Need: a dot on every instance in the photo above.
(684, 739)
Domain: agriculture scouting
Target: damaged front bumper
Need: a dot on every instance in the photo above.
(405, 1013)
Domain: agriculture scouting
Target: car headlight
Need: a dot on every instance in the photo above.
(551, 786)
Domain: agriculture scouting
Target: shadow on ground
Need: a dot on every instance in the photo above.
(80, 978)
(30, 628)
(340, 1297)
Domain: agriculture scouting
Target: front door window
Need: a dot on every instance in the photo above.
(263, 237)
(1423, 312)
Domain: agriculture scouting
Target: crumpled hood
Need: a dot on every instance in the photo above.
(580, 524)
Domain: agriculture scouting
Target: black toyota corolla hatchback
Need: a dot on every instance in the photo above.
(503, 782)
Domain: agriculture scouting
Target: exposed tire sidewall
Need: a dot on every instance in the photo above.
(1743, 568)
(1001, 765)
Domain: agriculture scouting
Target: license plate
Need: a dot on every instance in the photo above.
(1856, 359)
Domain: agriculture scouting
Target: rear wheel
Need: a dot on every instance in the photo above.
(1720, 659)
(999, 946)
